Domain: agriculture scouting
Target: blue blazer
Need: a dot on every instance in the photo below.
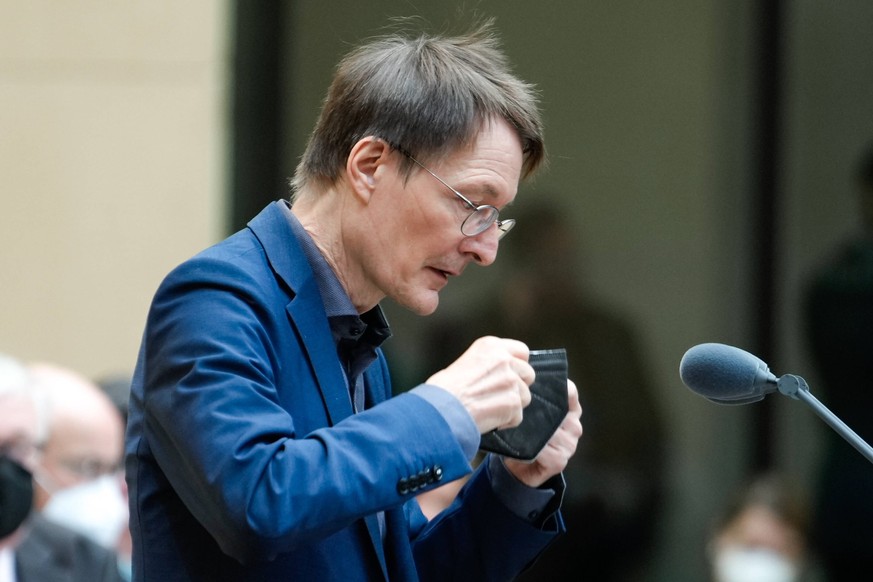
(245, 462)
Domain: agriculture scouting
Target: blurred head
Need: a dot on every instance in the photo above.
(22, 430)
(429, 95)
(79, 477)
(761, 535)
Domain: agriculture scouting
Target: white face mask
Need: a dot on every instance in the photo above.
(739, 564)
(95, 508)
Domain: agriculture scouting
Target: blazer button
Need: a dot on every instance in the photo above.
(437, 473)
(403, 486)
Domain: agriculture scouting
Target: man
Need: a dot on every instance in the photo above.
(263, 442)
(33, 549)
(79, 483)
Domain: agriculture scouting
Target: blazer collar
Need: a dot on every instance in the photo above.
(305, 308)
(272, 229)
(306, 313)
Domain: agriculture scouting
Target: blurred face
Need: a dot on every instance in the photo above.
(79, 451)
(759, 527)
(86, 432)
(413, 242)
(758, 546)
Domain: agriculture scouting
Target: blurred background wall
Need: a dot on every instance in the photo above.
(133, 134)
(112, 167)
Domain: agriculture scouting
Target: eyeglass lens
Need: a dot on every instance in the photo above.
(479, 220)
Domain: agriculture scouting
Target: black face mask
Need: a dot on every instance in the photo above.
(16, 495)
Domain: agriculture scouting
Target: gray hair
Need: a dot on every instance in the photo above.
(427, 95)
(17, 382)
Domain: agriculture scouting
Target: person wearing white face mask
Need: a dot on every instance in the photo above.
(95, 508)
(79, 483)
(761, 536)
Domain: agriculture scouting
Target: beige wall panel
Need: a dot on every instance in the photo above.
(112, 150)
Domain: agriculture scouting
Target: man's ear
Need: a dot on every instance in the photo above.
(365, 164)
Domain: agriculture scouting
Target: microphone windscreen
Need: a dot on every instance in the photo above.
(725, 374)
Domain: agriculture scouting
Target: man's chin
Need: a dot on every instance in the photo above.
(425, 312)
(422, 305)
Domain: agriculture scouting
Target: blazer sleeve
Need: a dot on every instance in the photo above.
(234, 416)
(479, 538)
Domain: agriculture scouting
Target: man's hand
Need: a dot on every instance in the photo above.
(557, 452)
(491, 380)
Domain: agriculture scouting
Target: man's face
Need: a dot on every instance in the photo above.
(415, 242)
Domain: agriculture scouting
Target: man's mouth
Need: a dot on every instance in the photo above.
(443, 273)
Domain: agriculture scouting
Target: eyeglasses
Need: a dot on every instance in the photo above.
(89, 468)
(480, 218)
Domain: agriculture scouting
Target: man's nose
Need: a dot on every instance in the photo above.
(483, 246)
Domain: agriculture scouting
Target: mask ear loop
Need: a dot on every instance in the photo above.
(42, 478)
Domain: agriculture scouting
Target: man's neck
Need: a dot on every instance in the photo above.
(325, 218)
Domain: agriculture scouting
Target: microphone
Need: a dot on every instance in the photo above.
(728, 375)
(725, 374)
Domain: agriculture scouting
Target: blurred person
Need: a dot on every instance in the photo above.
(838, 313)
(761, 534)
(33, 549)
(263, 441)
(79, 481)
(612, 505)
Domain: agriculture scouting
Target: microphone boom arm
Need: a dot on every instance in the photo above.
(797, 388)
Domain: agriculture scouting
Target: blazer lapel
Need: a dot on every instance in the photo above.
(305, 309)
(307, 316)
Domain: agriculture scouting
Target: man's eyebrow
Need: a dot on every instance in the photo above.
(481, 191)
